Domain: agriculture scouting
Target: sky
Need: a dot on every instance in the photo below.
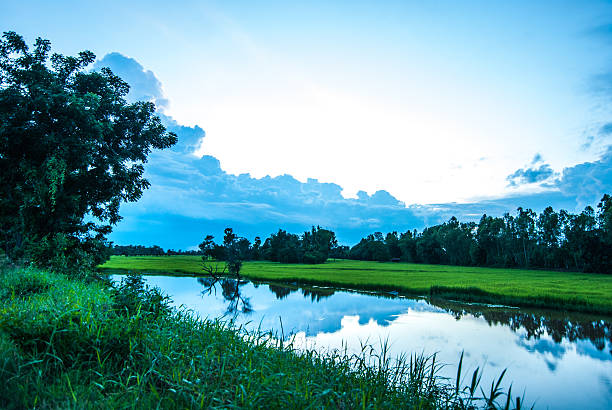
(359, 116)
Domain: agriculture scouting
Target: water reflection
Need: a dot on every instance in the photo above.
(534, 323)
(561, 360)
(281, 292)
(231, 292)
(315, 294)
(301, 309)
(537, 323)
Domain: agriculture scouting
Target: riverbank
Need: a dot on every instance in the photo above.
(80, 343)
(570, 291)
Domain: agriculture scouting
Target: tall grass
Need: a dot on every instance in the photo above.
(68, 343)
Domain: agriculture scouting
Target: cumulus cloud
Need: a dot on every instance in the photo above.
(531, 174)
(572, 189)
(144, 86)
(193, 196)
(587, 182)
(197, 188)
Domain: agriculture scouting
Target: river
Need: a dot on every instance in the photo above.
(559, 360)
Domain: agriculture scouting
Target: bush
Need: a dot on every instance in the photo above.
(314, 257)
(133, 296)
(68, 255)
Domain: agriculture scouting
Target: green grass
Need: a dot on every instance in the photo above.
(562, 290)
(67, 343)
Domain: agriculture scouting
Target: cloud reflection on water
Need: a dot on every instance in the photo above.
(559, 358)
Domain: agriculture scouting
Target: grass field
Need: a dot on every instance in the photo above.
(70, 343)
(565, 290)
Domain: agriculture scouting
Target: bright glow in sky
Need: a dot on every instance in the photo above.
(433, 103)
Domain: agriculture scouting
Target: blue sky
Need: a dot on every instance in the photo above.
(291, 115)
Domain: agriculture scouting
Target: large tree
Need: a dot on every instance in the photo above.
(71, 150)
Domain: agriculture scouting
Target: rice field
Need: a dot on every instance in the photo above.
(562, 290)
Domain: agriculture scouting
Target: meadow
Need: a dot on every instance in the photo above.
(536, 288)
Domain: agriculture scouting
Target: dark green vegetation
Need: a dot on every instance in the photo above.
(139, 250)
(314, 246)
(67, 343)
(551, 240)
(565, 290)
(311, 247)
(71, 150)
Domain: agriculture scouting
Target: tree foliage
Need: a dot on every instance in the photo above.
(371, 248)
(550, 240)
(137, 250)
(71, 151)
(313, 246)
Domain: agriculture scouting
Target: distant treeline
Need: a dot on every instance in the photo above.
(139, 250)
(314, 246)
(550, 240)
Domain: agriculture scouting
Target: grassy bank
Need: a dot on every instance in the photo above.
(564, 290)
(68, 343)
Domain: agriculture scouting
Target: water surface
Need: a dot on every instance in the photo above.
(562, 361)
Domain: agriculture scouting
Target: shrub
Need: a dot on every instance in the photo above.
(132, 296)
